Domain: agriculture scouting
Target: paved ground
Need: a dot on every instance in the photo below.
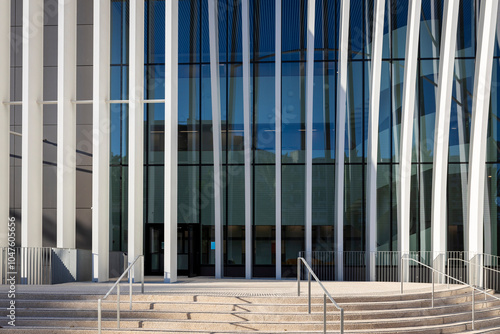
(235, 287)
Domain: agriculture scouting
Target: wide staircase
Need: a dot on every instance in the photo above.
(205, 313)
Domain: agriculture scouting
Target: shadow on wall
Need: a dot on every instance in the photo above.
(71, 265)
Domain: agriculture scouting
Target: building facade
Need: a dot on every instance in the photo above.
(223, 137)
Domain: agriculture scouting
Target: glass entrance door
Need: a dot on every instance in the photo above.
(188, 249)
(154, 249)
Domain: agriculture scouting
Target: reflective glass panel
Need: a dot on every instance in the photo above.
(262, 30)
(324, 111)
(264, 112)
(457, 205)
(461, 110)
(354, 213)
(293, 29)
(293, 112)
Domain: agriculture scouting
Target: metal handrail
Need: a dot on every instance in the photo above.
(117, 285)
(449, 277)
(468, 262)
(325, 294)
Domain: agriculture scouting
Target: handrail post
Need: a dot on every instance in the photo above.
(130, 288)
(324, 313)
(473, 307)
(433, 289)
(298, 277)
(448, 273)
(142, 270)
(99, 301)
(309, 290)
(342, 321)
(118, 305)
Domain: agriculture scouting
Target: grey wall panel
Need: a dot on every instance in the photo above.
(84, 12)
(17, 146)
(16, 186)
(50, 46)
(50, 149)
(50, 8)
(18, 7)
(12, 186)
(84, 144)
(49, 187)
(84, 82)
(84, 46)
(12, 12)
(49, 219)
(50, 83)
(83, 190)
(18, 92)
(83, 228)
(16, 46)
(84, 265)
(49, 115)
(84, 114)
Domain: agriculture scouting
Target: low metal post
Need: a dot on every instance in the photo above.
(309, 290)
(99, 301)
(401, 273)
(142, 271)
(298, 277)
(324, 313)
(473, 307)
(433, 289)
(342, 321)
(118, 305)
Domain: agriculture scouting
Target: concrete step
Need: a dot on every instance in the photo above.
(261, 322)
(481, 326)
(251, 312)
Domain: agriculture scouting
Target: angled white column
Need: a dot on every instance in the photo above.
(32, 147)
(480, 112)
(311, 10)
(136, 135)
(372, 145)
(101, 142)
(171, 128)
(245, 28)
(442, 132)
(4, 118)
(340, 138)
(277, 106)
(407, 118)
(216, 129)
(66, 125)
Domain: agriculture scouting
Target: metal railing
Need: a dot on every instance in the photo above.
(491, 276)
(310, 273)
(435, 271)
(28, 265)
(117, 285)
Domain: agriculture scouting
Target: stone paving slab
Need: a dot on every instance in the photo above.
(234, 287)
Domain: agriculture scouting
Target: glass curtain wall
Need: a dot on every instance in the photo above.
(324, 116)
(424, 125)
(119, 127)
(460, 123)
(262, 58)
(293, 90)
(391, 90)
(356, 127)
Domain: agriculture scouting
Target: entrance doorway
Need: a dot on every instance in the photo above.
(188, 249)
(188, 253)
